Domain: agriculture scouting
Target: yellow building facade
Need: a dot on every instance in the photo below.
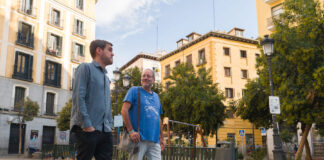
(232, 60)
(41, 44)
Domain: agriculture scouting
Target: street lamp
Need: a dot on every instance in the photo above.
(126, 82)
(278, 154)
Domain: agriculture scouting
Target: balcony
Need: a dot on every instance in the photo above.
(57, 23)
(54, 52)
(270, 1)
(76, 57)
(28, 11)
(27, 41)
(270, 23)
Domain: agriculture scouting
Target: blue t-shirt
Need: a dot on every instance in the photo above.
(150, 113)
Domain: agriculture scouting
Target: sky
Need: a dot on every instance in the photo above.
(135, 26)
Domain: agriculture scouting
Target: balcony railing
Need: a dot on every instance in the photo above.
(77, 57)
(54, 52)
(58, 23)
(28, 11)
(27, 41)
(270, 1)
(270, 23)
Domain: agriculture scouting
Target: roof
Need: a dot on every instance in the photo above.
(192, 34)
(207, 35)
(141, 55)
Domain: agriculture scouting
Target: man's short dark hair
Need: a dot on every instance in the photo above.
(97, 43)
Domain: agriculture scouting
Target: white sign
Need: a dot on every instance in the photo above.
(118, 121)
(263, 131)
(242, 132)
(274, 104)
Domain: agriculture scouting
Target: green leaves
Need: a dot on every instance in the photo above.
(193, 98)
(30, 109)
(63, 121)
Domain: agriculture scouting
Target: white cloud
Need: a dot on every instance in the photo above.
(126, 14)
(124, 36)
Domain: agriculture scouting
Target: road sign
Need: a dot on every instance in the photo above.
(274, 104)
(242, 132)
(263, 131)
(118, 121)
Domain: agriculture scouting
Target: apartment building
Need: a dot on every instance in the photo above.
(41, 44)
(146, 61)
(232, 60)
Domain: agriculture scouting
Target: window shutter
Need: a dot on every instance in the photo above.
(30, 68)
(75, 26)
(16, 62)
(20, 27)
(59, 66)
(81, 4)
(46, 72)
(83, 51)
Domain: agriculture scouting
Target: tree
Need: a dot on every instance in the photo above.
(63, 121)
(254, 104)
(27, 110)
(298, 64)
(192, 97)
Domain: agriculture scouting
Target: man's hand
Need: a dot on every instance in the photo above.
(135, 137)
(89, 129)
(161, 143)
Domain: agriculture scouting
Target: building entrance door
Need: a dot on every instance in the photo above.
(14, 138)
(48, 135)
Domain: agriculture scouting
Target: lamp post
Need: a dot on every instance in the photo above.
(126, 78)
(278, 154)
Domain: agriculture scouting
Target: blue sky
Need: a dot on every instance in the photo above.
(131, 25)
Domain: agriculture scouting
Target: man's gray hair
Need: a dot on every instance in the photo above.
(148, 69)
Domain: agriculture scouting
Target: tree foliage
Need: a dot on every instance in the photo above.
(63, 121)
(192, 97)
(254, 105)
(28, 109)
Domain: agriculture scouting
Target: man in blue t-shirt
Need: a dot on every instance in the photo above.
(149, 137)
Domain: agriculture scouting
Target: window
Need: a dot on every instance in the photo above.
(78, 52)
(53, 74)
(257, 55)
(25, 35)
(79, 4)
(23, 66)
(54, 45)
(189, 59)
(56, 18)
(177, 63)
(229, 93)
(26, 6)
(78, 27)
(231, 136)
(243, 54)
(180, 43)
(72, 77)
(19, 96)
(244, 74)
(190, 38)
(239, 33)
(201, 57)
(276, 11)
(50, 97)
(243, 92)
(226, 51)
(227, 71)
(167, 71)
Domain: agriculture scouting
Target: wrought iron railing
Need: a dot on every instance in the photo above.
(25, 40)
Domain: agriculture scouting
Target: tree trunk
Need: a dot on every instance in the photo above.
(303, 141)
(308, 152)
(20, 133)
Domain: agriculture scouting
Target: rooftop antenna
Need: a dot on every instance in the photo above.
(214, 15)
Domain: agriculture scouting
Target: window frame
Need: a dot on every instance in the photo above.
(22, 98)
(244, 74)
(25, 40)
(57, 51)
(224, 51)
(201, 56)
(28, 66)
(243, 53)
(227, 71)
(228, 91)
(57, 71)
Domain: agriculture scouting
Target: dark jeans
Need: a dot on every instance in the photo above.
(97, 144)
